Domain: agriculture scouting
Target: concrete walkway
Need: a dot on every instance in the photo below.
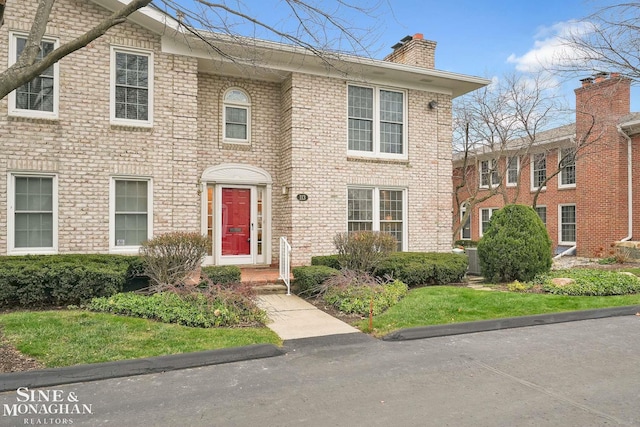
(291, 318)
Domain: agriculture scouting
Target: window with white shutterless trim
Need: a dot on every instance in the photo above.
(131, 213)
(485, 218)
(567, 224)
(38, 98)
(236, 116)
(131, 87)
(32, 223)
(567, 166)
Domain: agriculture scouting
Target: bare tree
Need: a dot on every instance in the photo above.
(607, 40)
(314, 27)
(501, 121)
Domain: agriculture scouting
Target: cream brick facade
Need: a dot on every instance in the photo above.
(298, 141)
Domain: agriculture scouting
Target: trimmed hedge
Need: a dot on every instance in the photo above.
(39, 280)
(424, 268)
(222, 274)
(307, 279)
(332, 261)
(357, 298)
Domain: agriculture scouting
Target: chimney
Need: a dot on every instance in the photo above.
(604, 95)
(414, 50)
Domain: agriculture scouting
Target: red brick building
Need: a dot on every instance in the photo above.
(588, 171)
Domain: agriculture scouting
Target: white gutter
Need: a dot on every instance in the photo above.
(629, 184)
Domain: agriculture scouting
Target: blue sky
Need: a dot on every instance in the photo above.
(488, 38)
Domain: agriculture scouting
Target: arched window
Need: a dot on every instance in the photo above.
(236, 116)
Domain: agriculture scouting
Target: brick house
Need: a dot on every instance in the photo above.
(593, 200)
(147, 130)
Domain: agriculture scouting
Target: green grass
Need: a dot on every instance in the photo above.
(72, 337)
(446, 304)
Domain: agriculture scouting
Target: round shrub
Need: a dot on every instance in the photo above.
(516, 246)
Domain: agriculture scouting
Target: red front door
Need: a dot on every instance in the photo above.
(236, 221)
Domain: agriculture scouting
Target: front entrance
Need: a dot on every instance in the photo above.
(236, 215)
(236, 222)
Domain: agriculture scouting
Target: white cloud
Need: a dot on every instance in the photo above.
(550, 48)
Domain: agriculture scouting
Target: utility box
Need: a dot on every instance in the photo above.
(474, 262)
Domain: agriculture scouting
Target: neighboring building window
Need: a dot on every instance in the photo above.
(33, 214)
(485, 217)
(376, 122)
(465, 231)
(567, 167)
(567, 216)
(513, 169)
(131, 87)
(538, 170)
(131, 220)
(542, 213)
(39, 97)
(237, 116)
(489, 174)
(377, 209)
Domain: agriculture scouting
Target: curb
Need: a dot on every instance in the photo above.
(125, 368)
(422, 332)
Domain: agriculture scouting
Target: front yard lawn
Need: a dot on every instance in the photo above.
(72, 337)
(437, 305)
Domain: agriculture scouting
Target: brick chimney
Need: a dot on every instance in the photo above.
(601, 166)
(414, 50)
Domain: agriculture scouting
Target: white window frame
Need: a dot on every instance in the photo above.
(463, 210)
(562, 171)
(565, 242)
(131, 249)
(375, 226)
(150, 87)
(491, 212)
(493, 174)
(545, 213)
(236, 104)
(12, 109)
(11, 199)
(512, 183)
(532, 167)
(376, 153)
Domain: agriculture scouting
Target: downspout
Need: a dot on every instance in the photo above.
(629, 184)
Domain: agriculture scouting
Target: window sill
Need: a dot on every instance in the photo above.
(567, 187)
(54, 120)
(380, 160)
(32, 251)
(131, 124)
(125, 250)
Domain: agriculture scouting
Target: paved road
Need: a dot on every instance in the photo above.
(572, 374)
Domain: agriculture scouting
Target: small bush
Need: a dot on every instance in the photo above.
(308, 279)
(222, 274)
(590, 282)
(354, 292)
(363, 250)
(516, 246)
(169, 259)
(424, 268)
(40, 280)
(219, 308)
(332, 261)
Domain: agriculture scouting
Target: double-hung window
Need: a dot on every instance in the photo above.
(567, 226)
(489, 176)
(131, 213)
(39, 97)
(377, 209)
(542, 213)
(465, 230)
(485, 217)
(567, 165)
(237, 116)
(131, 87)
(513, 170)
(33, 214)
(538, 170)
(377, 122)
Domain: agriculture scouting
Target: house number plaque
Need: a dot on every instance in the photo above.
(302, 197)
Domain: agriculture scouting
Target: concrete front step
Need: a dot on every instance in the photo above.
(270, 288)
